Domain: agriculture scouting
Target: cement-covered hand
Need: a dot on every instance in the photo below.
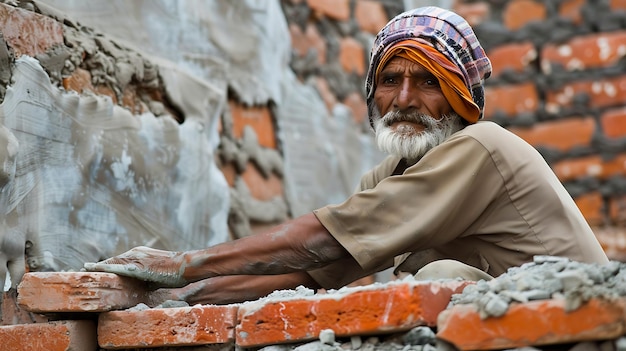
(163, 268)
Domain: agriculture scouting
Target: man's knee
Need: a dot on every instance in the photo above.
(450, 269)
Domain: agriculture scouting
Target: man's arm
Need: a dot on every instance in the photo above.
(232, 288)
(297, 245)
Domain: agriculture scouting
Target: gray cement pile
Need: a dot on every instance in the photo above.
(547, 277)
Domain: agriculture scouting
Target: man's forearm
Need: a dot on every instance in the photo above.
(233, 289)
(298, 245)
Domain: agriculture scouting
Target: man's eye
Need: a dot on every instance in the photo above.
(388, 80)
(433, 82)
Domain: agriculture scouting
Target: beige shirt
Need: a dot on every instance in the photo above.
(484, 197)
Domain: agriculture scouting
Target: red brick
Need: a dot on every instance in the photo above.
(613, 239)
(511, 99)
(512, 57)
(370, 15)
(605, 92)
(617, 4)
(335, 9)
(474, 13)
(357, 105)
(580, 53)
(518, 13)
(352, 56)
(614, 166)
(562, 134)
(158, 327)
(316, 41)
(257, 117)
(72, 335)
(390, 308)
(544, 322)
(617, 214)
(230, 173)
(45, 292)
(591, 205)
(571, 9)
(79, 81)
(310, 39)
(261, 187)
(11, 313)
(613, 123)
(28, 33)
(298, 42)
(570, 169)
(330, 100)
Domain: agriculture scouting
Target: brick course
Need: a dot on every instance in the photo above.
(159, 327)
(396, 307)
(545, 322)
(70, 335)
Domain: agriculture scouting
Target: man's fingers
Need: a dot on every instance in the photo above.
(121, 269)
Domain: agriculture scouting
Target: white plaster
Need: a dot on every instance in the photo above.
(92, 180)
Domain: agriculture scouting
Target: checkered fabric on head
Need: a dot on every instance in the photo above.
(444, 30)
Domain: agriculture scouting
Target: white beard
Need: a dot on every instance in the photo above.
(412, 146)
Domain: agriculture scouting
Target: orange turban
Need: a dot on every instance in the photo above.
(448, 74)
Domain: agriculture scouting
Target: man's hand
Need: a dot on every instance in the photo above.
(163, 268)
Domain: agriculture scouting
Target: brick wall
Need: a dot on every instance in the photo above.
(559, 79)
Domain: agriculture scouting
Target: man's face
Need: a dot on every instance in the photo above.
(413, 115)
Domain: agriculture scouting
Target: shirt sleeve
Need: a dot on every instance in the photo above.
(431, 203)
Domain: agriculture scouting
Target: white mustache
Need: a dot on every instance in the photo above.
(392, 117)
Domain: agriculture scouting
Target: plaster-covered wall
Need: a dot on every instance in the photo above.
(115, 130)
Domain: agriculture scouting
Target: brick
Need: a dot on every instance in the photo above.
(570, 169)
(352, 56)
(11, 313)
(544, 322)
(303, 42)
(335, 9)
(261, 187)
(71, 335)
(617, 214)
(614, 166)
(257, 117)
(46, 292)
(518, 13)
(370, 15)
(28, 33)
(386, 309)
(475, 13)
(562, 135)
(613, 239)
(356, 104)
(617, 4)
(591, 205)
(604, 92)
(230, 173)
(159, 327)
(512, 57)
(570, 9)
(613, 123)
(590, 51)
(511, 99)
(329, 98)
(298, 43)
(316, 41)
(79, 81)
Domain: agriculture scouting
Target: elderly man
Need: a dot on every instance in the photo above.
(457, 197)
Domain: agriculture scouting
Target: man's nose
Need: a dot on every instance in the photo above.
(407, 97)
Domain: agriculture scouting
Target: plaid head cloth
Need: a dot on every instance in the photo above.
(447, 32)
